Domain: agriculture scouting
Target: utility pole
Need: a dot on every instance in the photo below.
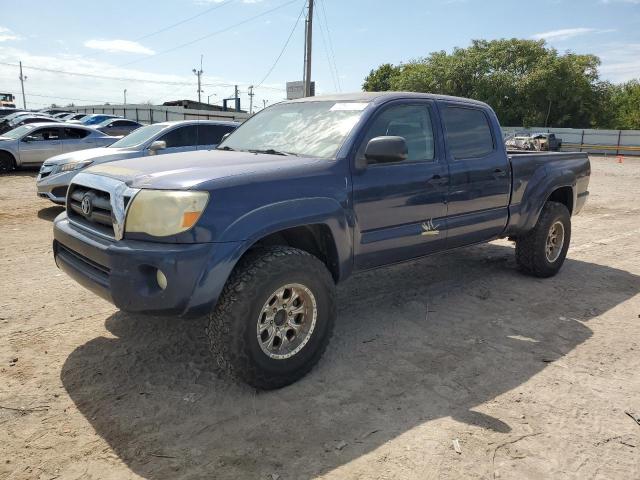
(208, 97)
(22, 80)
(251, 94)
(236, 99)
(307, 51)
(264, 103)
(125, 96)
(199, 74)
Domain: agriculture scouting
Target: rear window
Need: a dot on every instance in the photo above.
(468, 132)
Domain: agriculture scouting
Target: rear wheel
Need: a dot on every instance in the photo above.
(274, 318)
(7, 162)
(541, 252)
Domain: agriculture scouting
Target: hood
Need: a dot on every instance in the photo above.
(103, 154)
(188, 169)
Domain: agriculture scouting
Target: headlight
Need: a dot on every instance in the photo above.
(67, 167)
(161, 213)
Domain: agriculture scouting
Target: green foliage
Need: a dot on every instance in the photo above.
(625, 101)
(526, 82)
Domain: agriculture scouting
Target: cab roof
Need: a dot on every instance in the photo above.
(381, 97)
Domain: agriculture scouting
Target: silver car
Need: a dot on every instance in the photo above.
(156, 139)
(117, 127)
(32, 144)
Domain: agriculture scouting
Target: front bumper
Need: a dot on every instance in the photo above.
(53, 186)
(124, 272)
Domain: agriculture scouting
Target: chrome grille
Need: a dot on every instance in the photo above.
(99, 204)
(97, 215)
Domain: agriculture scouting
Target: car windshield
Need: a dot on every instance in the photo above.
(18, 132)
(314, 129)
(138, 136)
(94, 120)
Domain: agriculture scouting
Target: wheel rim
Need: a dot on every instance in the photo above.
(286, 321)
(555, 241)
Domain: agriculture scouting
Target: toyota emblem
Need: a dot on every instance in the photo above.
(86, 205)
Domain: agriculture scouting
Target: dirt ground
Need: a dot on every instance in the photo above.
(532, 377)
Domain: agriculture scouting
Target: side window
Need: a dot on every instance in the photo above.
(212, 134)
(123, 123)
(75, 133)
(468, 132)
(413, 123)
(181, 137)
(45, 134)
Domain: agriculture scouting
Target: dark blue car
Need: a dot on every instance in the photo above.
(258, 232)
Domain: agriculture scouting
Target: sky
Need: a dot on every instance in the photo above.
(151, 47)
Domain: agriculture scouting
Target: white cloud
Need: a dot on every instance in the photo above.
(620, 61)
(141, 85)
(126, 46)
(563, 34)
(6, 35)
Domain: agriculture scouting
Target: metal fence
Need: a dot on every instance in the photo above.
(603, 142)
(153, 113)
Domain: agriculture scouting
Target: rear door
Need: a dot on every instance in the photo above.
(480, 177)
(40, 144)
(400, 207)
(76, 139)
(209, 136)
(180, 139)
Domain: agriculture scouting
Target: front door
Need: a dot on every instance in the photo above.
(480, 176)
(181, 139)
(40, 144)
(401, 206)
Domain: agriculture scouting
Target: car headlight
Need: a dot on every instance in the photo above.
(161, 213)
(67, 167)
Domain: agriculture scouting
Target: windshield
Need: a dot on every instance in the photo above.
(314, 129)
(95, 120)
(18, 132)
(139, 136)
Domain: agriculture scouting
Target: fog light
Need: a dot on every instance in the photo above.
(161, 279)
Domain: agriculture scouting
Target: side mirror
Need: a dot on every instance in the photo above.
(157, 145)
(386, 149)
(28, 139)
(224, 137)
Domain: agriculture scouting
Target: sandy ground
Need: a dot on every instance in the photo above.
(532, 377)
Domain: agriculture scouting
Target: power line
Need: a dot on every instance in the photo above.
(209, 35)
(284, 47)
(169, 27)
(326, 51)
(333, 54)
(71, 98)
(125, 79)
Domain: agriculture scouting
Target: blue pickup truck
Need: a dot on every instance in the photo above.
(257, 233)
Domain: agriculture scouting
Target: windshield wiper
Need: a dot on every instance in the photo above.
(227, 149)
(271, 151)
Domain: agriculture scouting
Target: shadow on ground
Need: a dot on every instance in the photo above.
(50, 213)
(413, 343)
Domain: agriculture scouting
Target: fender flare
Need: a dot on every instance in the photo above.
(526, 215)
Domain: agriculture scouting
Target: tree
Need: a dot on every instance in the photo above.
(625, 102)
(526, 82)
(379, 80)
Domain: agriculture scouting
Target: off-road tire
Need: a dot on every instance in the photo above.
(232, 324)
(7, 162)
(530, 248)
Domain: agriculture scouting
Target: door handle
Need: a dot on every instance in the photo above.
(437, 180)
(498, 172)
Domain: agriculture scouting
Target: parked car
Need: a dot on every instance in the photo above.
(73, 116)
(25, 120)
(93, 119)
(4, 122)
(156, 139)
(60, 115)
(53, 111)
(4, 111)
(117, 127)
(540, 142)
(303, 194)
(32, 144)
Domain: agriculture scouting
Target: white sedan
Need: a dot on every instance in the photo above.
(30, 145)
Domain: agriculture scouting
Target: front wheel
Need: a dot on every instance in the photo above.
(274, 317)
(6, 162)
(541, 251)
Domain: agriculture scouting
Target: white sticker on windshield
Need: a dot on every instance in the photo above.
(350, 106)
